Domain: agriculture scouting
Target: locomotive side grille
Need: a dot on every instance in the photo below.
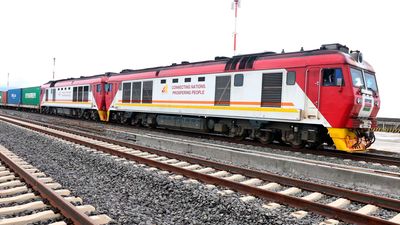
(147, 92)
(223, 90)
(271, 95)
(136, 92)
(75, 94)
(126, 92)
(85, 94)
(54, 95)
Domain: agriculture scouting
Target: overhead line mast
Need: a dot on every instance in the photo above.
(235, 5)
(54, 67)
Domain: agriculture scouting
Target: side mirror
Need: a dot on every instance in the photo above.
(339, 82)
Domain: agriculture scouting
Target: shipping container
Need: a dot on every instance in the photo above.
(1, 98)
(4, 98)
(14, 97)
(30, 97)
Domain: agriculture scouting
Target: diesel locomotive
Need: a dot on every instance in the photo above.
(327, 96)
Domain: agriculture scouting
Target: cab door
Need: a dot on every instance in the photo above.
(98, 93)
(337, 99)
(111, 90)
(312, 91)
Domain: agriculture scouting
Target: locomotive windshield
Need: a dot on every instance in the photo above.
(371, 82)
(357, 77)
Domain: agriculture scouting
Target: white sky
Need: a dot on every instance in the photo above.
(93, 37)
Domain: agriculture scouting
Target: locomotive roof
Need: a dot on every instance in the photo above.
(333, 53)
(66, 81)
(223, 59)
(339, 54)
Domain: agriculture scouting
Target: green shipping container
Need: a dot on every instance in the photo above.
(31, 96)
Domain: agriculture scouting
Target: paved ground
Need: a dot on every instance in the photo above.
(387, 142)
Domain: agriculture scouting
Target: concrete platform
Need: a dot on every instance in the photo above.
(387, 142)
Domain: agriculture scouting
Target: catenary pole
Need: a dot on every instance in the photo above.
(236, 4)
(54, 67)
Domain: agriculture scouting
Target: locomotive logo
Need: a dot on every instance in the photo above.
(367, 105)
(165, 89)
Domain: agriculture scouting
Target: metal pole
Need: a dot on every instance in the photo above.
(54, 67)
(236, 2)
(8, 80)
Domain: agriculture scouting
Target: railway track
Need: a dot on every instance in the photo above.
(362, 158)
(28, 196)
(376, 157)
(276, 190)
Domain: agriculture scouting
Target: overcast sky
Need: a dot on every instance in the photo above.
(93, 37)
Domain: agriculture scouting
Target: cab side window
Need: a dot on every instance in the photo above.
(332, 77)
(108, 87)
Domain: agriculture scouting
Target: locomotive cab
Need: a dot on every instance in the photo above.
(360, 101)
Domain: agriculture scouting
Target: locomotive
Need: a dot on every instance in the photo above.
(327, 96)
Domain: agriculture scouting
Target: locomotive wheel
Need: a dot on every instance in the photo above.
(123, 120)
(94, 116)
(241, 137)
(86, 115)
(297, 144)
(136, 121)
(266, 137)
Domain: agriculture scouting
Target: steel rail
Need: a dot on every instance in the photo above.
(367, 157)
(383, 202)
(325, 210)
(57, 201)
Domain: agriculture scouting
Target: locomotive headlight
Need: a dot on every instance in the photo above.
(376, 103)
(358, 100)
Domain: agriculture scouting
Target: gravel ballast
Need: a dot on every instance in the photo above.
(114, 131)
(118, 132)
(131, 195)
